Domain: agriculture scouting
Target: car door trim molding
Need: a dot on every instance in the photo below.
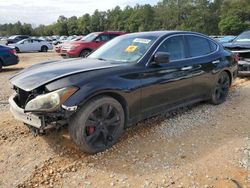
(188, 58)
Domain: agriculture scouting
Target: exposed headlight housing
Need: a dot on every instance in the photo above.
(50, 102)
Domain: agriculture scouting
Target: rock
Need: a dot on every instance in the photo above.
(87, 183)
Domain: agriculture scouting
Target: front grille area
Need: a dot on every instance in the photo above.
(22, 97)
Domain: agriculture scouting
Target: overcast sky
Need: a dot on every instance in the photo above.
(47, 11)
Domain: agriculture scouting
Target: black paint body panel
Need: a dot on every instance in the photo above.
(143, 89)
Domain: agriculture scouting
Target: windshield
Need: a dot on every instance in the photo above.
(13, 37)
(90, 37)
(243, 37)
(126, 48)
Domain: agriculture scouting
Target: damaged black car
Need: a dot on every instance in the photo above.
(130, 78)
(241, 47)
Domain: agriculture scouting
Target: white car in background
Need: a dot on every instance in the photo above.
(29, 45)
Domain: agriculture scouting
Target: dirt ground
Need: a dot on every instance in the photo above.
(200, 146)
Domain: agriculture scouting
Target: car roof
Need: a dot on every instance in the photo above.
(109, 32)
(164, 33)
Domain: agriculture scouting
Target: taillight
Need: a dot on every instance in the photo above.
(12, 51)
(236, 57)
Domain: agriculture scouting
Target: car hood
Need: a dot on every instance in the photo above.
(244, 45)
(43, 73)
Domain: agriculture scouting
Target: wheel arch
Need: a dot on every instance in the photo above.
(114, 95)
(86, 48)
(45, 45)
(230, 75)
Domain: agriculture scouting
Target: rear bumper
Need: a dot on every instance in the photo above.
(11, 60)
(20, 115)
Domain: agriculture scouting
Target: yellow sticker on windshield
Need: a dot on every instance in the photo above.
(131, 48)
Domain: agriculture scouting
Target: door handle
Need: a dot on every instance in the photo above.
(186, 68)
(216, 62)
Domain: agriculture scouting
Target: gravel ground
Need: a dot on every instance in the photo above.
(198, 146)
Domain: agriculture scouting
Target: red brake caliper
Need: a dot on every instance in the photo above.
(90, 130)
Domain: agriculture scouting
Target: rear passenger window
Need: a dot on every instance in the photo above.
(102, 38)
(113, 36)
(198, 46)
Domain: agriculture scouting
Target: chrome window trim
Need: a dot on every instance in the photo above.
(188, 58)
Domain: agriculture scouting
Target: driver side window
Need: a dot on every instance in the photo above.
(174, 46)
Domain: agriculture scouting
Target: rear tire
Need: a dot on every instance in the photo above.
(44, 49)
(1, 66)
(84, 53)
(98, 125)
(221, 89)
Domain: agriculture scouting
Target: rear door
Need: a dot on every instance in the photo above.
(204, 59)
(36, 45)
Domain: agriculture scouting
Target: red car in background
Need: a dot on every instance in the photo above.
(88, 44)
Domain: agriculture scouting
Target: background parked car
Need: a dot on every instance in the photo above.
(28, 45)
(59, 46)
(89, 43)
(225, 39)
(16, 38)
(7, 57)
(241, 46)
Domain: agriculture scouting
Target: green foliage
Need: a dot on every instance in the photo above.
(211, 17)
(231, 25)
(235, 16)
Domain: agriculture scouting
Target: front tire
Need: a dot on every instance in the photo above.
(84, 53)
(98, 125)
(221, 89)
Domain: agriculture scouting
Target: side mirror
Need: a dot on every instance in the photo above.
(161, 58)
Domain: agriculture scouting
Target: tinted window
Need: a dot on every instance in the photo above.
(36, 40)
(198, 46)
(113, 36)
(174, 46)
(23, 37)
(102, 38)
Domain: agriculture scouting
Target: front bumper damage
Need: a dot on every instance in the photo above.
(27, 118)
(38, 122)
(243, 54)
(244, 67)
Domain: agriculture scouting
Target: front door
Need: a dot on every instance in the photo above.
(167, 83)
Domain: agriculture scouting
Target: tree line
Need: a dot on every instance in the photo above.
(212, 17)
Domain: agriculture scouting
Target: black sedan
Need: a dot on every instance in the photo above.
(241, 47)
(16, 38)
(7, 57)
(128, 79)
